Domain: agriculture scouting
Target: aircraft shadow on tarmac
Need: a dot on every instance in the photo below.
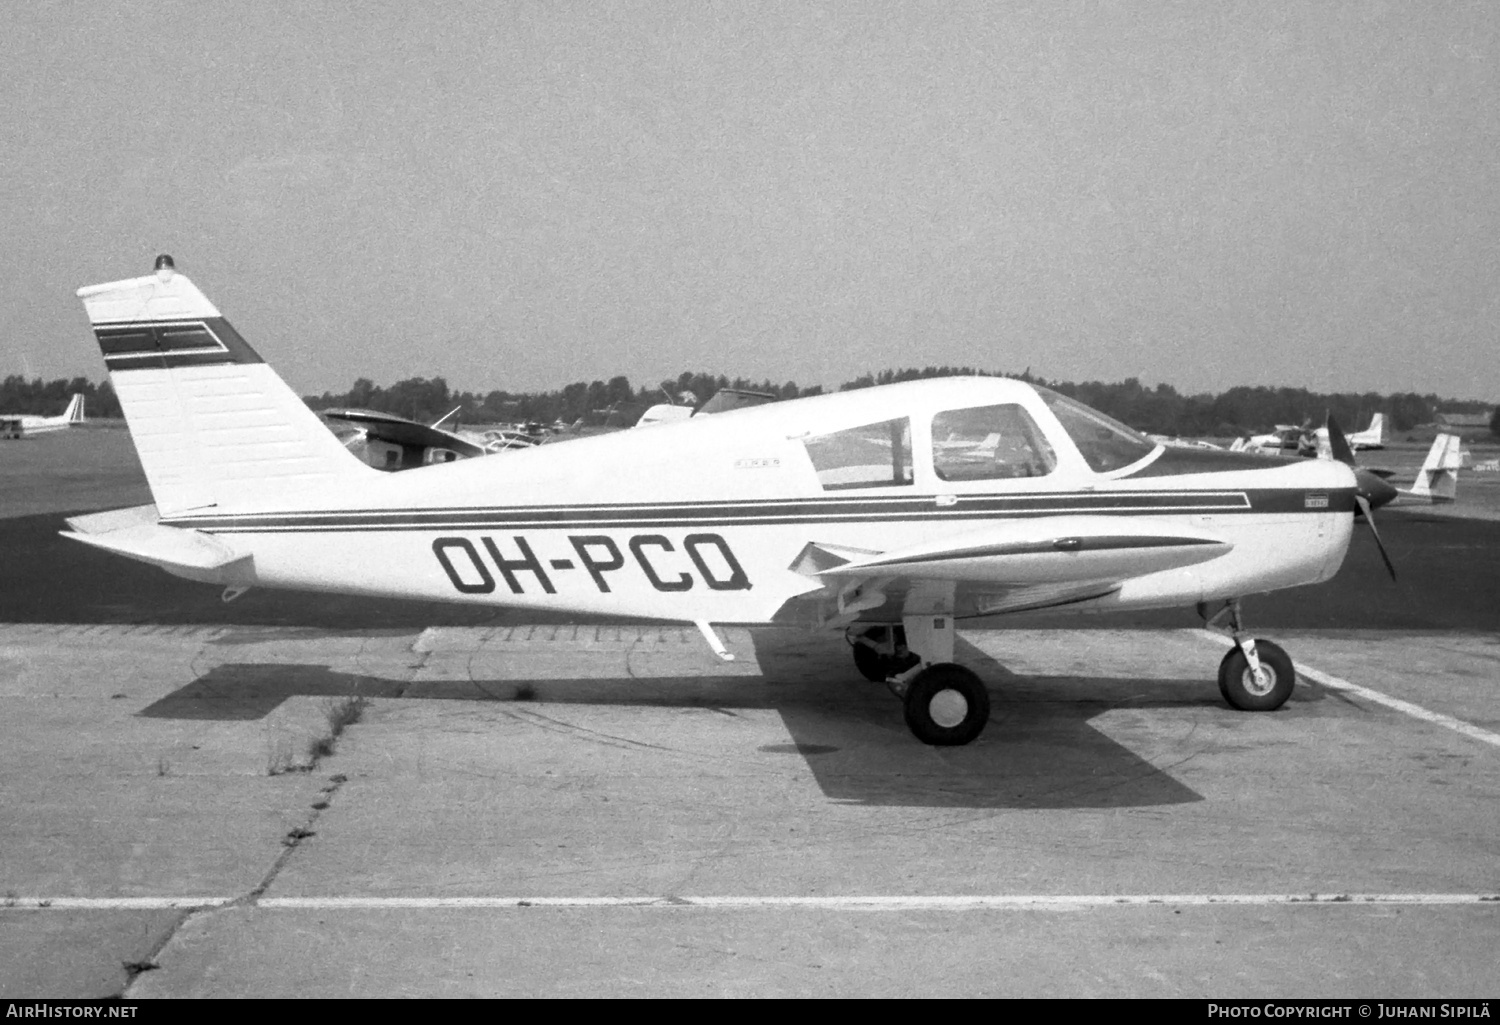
(1040, 750)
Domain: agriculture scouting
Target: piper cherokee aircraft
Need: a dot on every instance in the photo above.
(21, 426)
(888, 513)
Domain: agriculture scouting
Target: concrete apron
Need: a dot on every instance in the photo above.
(607, 766)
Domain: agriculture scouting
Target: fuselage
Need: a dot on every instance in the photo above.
(704, 519)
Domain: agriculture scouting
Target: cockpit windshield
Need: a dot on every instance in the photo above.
(1105, 443)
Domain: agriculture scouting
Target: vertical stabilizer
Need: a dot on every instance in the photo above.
(1438, 477)
(212, 423)
(74, 413)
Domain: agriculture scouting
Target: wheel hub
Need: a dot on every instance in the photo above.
(1259, 682)
(948, 708)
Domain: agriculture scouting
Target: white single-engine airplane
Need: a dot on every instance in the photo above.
(888, 512)
(23, 425)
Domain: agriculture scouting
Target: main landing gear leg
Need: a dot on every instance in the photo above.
(945, 703)
(1255, 675)
(880, 652)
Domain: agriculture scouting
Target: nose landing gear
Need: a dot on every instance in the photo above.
(1255, 675)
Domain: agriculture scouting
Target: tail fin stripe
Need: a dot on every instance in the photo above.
(172, 344)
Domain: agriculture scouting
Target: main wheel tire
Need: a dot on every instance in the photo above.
(947, 705)
(877, 667)
(1248, 692)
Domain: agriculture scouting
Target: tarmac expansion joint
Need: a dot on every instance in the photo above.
(293, 839)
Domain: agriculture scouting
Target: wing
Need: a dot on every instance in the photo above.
(400, 431)
(1011, 567)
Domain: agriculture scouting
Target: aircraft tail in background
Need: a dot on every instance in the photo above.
(1437, 480)
(74, 413)
(213, 424)
(1372, 436)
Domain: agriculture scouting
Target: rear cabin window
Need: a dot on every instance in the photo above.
(873, 456)
(989, 443)
(1105, 443)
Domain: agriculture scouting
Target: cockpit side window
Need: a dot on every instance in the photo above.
(872, 456)
(1105, 443)
(989, 443)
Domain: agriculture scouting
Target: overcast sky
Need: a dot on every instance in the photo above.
(519, 195)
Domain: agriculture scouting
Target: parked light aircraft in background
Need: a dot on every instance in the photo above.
(721, 401)
(1284, 436)
(1437, 480)
(1175, 442)
(840, 511)
(390, 442)
(1309, 441)
(1372, 437)
(22, 425)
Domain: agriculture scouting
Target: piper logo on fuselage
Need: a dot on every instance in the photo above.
(475, 566)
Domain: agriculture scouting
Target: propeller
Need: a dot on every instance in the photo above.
(1370, 491)
(1369, 514)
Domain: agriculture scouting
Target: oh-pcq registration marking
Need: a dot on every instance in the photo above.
(473, 566)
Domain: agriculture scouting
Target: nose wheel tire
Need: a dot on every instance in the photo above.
(876, 666)
(946, 705)
(1249, 691)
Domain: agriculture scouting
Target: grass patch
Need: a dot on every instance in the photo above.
(279, 757)
(342, 712)
(339, 714)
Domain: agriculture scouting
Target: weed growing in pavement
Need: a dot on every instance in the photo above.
(279, 757)
(339, 713)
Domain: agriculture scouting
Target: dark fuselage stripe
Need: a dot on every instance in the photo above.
(773, 513)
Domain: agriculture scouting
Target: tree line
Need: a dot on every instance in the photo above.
(1159, 410)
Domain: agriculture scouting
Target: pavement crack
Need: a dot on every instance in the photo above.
(293, 839)
(135, 969)
(546, 722)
